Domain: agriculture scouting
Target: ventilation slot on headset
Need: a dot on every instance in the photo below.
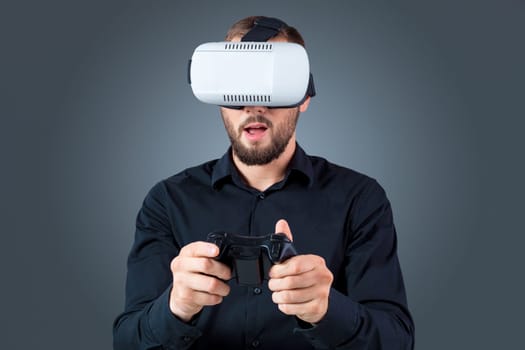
(248, 46)
(247, 98)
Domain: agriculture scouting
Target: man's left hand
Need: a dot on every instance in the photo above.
(301, 284)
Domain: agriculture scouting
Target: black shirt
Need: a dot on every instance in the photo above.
(333, 212)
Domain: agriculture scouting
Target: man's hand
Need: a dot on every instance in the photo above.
(301, 284)
(197, 279)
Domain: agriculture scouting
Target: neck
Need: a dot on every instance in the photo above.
(262, 177)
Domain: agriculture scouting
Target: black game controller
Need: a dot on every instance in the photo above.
(251, 257)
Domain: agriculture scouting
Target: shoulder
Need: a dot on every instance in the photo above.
(346, 184)
(365, 197)
(201, 173)
(189, 178)
(327, 172)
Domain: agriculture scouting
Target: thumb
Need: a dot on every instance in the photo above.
(281, 226)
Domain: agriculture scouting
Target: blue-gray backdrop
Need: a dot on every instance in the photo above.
(425, 96)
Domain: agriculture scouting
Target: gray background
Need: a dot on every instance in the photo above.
(425, 96)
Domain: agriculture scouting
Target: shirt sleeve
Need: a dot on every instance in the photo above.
(367, 306)
(147, 321)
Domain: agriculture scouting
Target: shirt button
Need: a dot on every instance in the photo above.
(255, 343)
(257, 290)
(261, 196)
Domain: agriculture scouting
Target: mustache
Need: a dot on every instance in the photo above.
(256, 119)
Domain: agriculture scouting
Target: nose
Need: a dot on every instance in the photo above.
(255, 109)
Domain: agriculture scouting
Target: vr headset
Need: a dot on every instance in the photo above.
(252, 72)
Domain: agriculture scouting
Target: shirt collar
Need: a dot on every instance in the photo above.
(300, 164)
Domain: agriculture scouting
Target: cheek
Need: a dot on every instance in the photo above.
(232, 128)
(229, 127)
(233, 115)
(228, 118)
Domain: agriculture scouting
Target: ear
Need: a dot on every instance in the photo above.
(304, 106)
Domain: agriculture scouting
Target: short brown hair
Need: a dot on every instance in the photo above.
(240, 28)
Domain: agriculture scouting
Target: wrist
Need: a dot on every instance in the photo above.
(183, 315)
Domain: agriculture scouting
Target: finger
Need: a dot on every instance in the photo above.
(305, 280)
(207, 266)
(201, 249)
(196, 298)
(296, 296)
(296, 265)
(200, 283)
(206, 299)
(282, 226)
(221, 271)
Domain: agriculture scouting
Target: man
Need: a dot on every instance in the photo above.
(344, 289)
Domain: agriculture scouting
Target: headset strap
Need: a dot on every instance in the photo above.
(264, 28)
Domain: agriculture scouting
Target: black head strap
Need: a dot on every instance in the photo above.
(264, 28)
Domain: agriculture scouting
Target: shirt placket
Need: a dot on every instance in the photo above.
(255, 294)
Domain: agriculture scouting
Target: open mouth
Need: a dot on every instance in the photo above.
(254, 131)
(255, 128)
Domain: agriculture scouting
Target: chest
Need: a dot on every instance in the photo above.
(318, 222)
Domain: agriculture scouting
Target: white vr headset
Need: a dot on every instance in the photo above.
(251, 73)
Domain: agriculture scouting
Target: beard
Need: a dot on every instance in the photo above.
(258, 154)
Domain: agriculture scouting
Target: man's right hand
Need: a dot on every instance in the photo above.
(198, 279)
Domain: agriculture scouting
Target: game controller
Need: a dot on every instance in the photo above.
(251, 257)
